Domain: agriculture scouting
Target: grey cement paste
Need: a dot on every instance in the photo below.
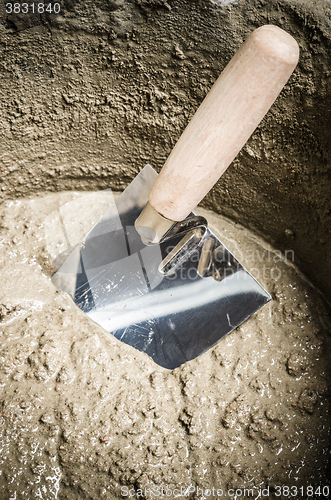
(86, 97)
(84, 416)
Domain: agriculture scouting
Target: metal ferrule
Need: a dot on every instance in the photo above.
(151, 225)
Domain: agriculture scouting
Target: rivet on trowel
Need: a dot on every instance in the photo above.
(222, 264)
(205, 257)
(182, 251)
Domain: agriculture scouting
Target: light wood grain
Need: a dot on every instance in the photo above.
(233, 108)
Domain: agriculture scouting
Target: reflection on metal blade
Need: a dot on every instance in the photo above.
(114, 278)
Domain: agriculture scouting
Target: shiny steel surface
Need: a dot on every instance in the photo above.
(182, 251)
(113, 277)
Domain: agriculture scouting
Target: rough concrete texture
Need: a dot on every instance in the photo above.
(92, 94)
(87, 98)
(84, 416)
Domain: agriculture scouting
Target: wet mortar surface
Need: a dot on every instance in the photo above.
(86, 416)
(105, 85)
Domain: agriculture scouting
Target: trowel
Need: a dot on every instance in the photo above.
(151, 272)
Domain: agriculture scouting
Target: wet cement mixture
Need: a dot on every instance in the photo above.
(105, 86)
(86, 416)
(87, 97)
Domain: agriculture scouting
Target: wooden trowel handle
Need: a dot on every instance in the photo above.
(233, 108)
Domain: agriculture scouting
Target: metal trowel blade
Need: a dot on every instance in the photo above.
(113, 277)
